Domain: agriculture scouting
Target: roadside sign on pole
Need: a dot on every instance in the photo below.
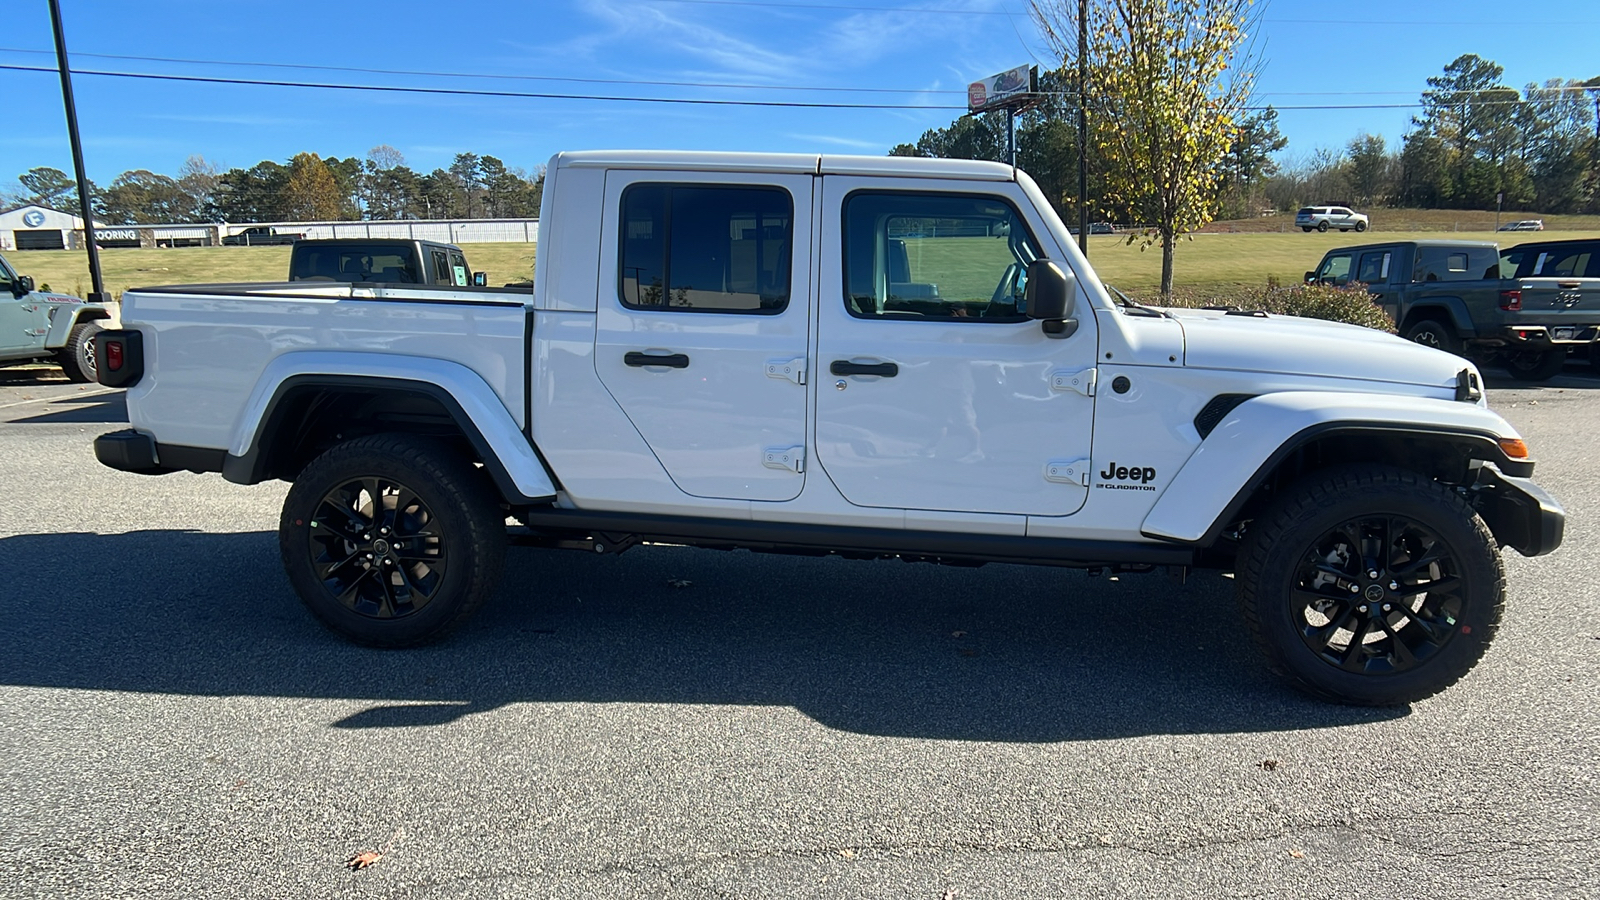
(1012, 89)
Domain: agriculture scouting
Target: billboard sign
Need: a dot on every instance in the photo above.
(1010, 88)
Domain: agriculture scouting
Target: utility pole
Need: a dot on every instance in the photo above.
(1083, 127)
(98, 295)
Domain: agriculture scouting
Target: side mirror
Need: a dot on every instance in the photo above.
(1310, 277)
(23, 285)
(1049, 297)
(480, 279)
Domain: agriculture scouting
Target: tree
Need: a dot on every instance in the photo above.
(1369, 169)
(49, 187)
(199, 180)
(1168, 82)
(253, 194)
(311, 193)
(1250, 161)
(142, 197)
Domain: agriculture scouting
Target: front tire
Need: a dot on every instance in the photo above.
(77, 356)
(1322, 226)
(1371, 585)
(1535, 365)
(392, 540)
(1360, 227)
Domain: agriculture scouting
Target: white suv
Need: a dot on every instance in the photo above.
(1324, 217)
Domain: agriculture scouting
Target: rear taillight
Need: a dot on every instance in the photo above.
(1511, 301)
(119, 357)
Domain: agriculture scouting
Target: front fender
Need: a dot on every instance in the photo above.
(67, 317)
(1244, 448)
(506, 451)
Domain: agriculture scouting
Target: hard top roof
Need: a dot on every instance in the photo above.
(781, 163)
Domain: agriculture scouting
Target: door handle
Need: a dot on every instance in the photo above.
(846, 367)
(1569, 284)
(671, 360)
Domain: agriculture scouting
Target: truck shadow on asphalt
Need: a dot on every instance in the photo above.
(94, 408)
(999, 653)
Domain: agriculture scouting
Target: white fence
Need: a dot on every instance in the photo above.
(449, 231)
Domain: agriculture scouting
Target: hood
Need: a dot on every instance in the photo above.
(1294, 346)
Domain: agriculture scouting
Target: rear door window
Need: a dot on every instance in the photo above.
(1375, 267)
(719, 249)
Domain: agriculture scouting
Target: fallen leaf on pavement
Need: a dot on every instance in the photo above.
(363, 859)
(1298, 854)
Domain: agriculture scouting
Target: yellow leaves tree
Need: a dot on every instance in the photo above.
(311, 193)
(1168, 81)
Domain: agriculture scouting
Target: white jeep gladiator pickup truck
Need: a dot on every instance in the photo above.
(874, 357)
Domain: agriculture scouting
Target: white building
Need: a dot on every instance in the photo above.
(34, 227)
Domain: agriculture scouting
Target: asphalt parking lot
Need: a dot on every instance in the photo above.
(172, 724)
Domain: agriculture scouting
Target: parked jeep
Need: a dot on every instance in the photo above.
(1451, 295)
(42, 325)
(382, 260)
(877, 357)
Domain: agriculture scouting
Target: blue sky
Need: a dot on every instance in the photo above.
(1316, 53)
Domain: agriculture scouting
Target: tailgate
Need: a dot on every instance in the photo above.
(1569, 308)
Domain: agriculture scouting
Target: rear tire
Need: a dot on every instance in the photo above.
(1306, 228)
(1535, 365)
(1433, 333)
(77, 356)
(392, 540)
(1309, 595)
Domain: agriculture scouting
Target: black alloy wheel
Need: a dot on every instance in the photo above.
(1377, 595)
(1371, 585)
(377, 548)
(392, 539)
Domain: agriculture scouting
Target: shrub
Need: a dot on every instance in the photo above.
(1350, 304)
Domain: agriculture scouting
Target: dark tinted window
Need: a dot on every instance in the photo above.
(1456, 264)
(706, 249)
(353, 262)
(940, 256)
(1375, 267)
(441, 266)
(1570, 261)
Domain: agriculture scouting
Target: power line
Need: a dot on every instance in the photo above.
(849, 7)
(486, 75)
(463, 92)
(1575, 88)
(528, 95)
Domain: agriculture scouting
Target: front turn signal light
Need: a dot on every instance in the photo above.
(1513, 447)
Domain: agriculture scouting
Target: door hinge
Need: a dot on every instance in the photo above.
(791, 458)
(1067, 471)
(1081, 381)
(788, 369)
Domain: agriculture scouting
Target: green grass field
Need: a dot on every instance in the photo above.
(1204, 261)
